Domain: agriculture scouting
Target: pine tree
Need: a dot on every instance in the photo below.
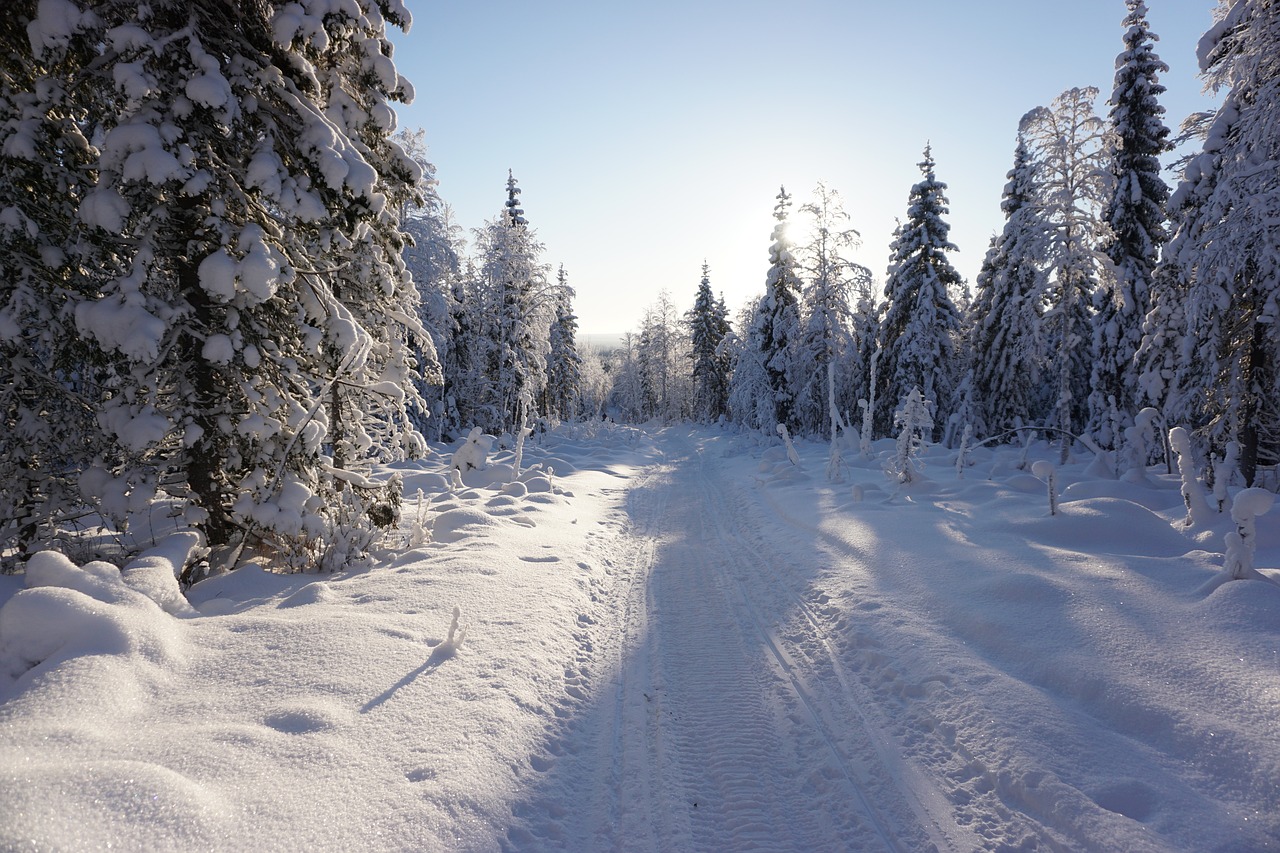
(1135, 213)
(919, 323)
(1229, 202)
(1070, 146)
(564, 365)
(777, 322)
(1005, 315)
(708, 326)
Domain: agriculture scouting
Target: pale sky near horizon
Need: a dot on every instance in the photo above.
(647, 137)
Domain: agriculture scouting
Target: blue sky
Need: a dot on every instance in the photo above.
(647, 137)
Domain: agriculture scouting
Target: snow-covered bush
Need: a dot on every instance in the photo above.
(473, 454)
(914, 423)
(1241, 542)
(1138, 440)
(792, 456)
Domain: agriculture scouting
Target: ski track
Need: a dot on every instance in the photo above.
(709, 708)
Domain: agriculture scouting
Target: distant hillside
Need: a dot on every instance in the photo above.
(602, 342)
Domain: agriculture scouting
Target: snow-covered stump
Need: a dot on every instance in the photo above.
(1198, 509)
(1241, 542)
(964, 450)
(791, 448)
(1222, 473)
(1047, 471)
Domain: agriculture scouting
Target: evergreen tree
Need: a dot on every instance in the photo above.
(243, 194)
(919, 323)
(1136, 216)
(1070, 145)
(564, 365)
(777, 322)
(1229, 203)
(1005, 315)
(708, 324)
(514, 328)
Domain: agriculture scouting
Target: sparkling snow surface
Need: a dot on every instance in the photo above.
(677, 640)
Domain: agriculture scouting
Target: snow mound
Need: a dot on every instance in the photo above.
(1107, 526)
(69, 611)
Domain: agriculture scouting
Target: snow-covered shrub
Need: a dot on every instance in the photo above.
(419, 532)
(1241, 542)
(1198, 510)
(914, 422)
(473, 454)
(1138, 440)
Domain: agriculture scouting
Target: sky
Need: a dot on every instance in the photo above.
(650, 137)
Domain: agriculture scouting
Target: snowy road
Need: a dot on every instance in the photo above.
(731, 723)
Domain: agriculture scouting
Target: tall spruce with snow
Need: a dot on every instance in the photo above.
(564, 364)
(708, 324)
(1070, 145)
(514, 336)
(1135, 214)
(777, 321)
(919, 323)
(1226, 238)
(51, 379)
(829, 369)
(1005, 314)
(229, 154)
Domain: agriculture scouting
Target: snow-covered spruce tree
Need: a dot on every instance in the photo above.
(1227, 237)
(1005, 314)
(919, 322)
(51, 380)
(708, 324)
(1070, 146)
(777, 321)
(564, 364)
(828, 367)
(221, 166)
(434, 258)
(1135, 214)
(515, 321)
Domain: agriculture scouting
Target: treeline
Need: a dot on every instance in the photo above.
(1105, 294)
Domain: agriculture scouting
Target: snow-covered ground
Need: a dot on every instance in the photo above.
(678, 640)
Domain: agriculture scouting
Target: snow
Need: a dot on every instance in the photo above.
(676, 641)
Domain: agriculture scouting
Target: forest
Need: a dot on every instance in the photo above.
(228, 284)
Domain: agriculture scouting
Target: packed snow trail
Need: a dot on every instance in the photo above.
(731, 724)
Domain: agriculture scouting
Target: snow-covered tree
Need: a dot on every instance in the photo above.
(514, 320)
(665, 384)
(1070, 145)
(1005, 314)
(233, 169)
(751, 401)
(708, 324)
(1135, 214)
(919, 323)
(434, 258)
(1226, 239)
(564, 364)
(829, 370)
(50, 378)
(777, 321)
